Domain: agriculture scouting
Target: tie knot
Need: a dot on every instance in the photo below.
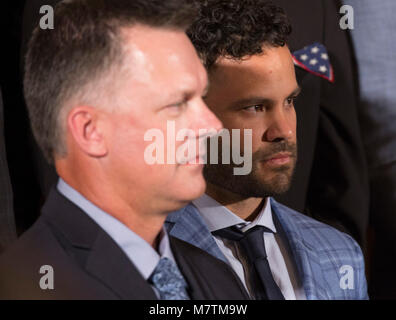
(257, 230)
(235, 234)
(252, 241)
(168, 280)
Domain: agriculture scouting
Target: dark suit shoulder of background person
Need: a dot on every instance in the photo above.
(374, 44)
(17, 134)
(7, 220)
(330, 182)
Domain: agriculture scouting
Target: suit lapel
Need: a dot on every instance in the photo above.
(207, 277)
(305, 256)
(186, 224)
(190, 274)
(108, 263)
(94, 250)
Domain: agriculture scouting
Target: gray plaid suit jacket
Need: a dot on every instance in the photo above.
(320, 251)
(7, 221)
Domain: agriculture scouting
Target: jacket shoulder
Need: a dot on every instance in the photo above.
(335, 251)
(22, 262)
(38, 267)
(313, 232)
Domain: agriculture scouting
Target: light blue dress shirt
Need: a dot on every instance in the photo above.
(140, 252)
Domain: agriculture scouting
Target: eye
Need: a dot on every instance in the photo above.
(290, 101)
(178, 105)
(255, 108)
(177, 108)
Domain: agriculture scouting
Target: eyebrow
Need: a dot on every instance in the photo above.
(251, 101)
(185, 94)
(295, 92)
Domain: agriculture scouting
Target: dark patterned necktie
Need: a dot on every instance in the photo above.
(252, 245)
(168, 280)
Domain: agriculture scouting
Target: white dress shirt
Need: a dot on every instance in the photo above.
(280, 260)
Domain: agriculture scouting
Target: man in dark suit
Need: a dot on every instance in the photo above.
(108, 73)
(330, 181)
(7, 220)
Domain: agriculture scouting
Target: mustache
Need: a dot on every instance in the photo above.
(272, 150)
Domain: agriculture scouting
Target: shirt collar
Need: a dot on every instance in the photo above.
(139, 251)
(217, 216)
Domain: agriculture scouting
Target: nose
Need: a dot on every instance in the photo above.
(206, 119)
(282, 126)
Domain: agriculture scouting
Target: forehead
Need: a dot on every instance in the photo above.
(257, 74)
(161, 59)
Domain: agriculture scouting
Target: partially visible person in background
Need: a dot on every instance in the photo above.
(7, 219)
(330, 181)
(375, 49)
(18, 135)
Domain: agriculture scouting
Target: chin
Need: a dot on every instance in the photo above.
(188, 186)
(186, 193)
(192, 189)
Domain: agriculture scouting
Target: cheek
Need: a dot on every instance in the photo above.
(257, 139)
(257, 129)
(293, 122)
(126, 143)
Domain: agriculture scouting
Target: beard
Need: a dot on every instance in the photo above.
(263, 181)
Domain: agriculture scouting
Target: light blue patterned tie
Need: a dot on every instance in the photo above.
(168, 280)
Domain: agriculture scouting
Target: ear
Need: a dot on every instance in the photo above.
(87, 130)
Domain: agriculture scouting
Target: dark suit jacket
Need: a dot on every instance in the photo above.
(88, 264)
(7, 220)
(330, 182)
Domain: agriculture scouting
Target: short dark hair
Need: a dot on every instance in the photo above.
(84, 46)
(237, 28)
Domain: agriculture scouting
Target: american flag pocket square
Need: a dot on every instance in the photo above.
(314, 59)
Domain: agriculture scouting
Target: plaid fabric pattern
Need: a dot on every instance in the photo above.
(187, 225)
(320, 251)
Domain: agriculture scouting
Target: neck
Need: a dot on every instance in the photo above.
(133, 214)
(246, 208)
